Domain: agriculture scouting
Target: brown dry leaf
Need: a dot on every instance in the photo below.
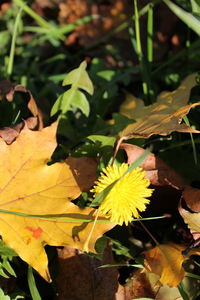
(192, 198)
(138, 287)
(191, 218)
(144, 285)
(8, 90)
(9, 134)
(30, 186)
(156, 169)
(79, 275)
(162, 117)
(166, 261)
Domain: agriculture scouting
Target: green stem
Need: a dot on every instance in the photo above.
(185, 118)
(32, 285)
(150, 36)
(12, 49)
(144, 71)
(32, 14)
(54, 217)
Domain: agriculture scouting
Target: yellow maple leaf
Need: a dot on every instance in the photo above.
(30, 187)
(166, 261)
(162, 117)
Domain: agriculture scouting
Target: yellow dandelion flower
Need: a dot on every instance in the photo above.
(127, 197)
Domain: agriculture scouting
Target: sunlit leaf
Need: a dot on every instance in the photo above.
(79, 78)
(162, 117)
(35, 199)
(166, 261)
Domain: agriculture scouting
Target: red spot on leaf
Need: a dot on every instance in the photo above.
(36, 232)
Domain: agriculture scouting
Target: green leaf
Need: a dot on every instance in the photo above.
(2, 273)
(195, 6)
(72, 98)
(57, 105)
(81, 102)
(107, 74)
(32, 286)
(79, 78)
(120, 249)
(6, 250)
(184, 16)
(3, 296)
(66, 99)
(6, 265)
(102, 140)
(182, 291)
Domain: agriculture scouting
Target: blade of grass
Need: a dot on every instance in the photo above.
(191, 275)
(32, 285)
(39, 20)
(146, 81)
(185, 118)
(70, 27)
(150, 50)
(53, 31)
(139, 47)
(58, 218)
(150, 36)
(62, 30)
(13, 42)
(195, 6)
(191, 21)
(183, 292)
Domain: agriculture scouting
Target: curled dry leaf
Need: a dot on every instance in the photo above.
(9, 134)
(157, 170)
(79, 270)
(35, 207)
(144, 285)
(166, 261)
(192, 198)
(162, 117)
(7, 89)
(192, 216)
(192, 219)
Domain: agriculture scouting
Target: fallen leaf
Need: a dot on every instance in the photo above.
(138, 286)
(192, 198)
(166, 261)
(157, 170)
(79, 270)
(7, 89)
(162, 117)
(144, 285)
(30, 186)
(192, 219)
(9, 134)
